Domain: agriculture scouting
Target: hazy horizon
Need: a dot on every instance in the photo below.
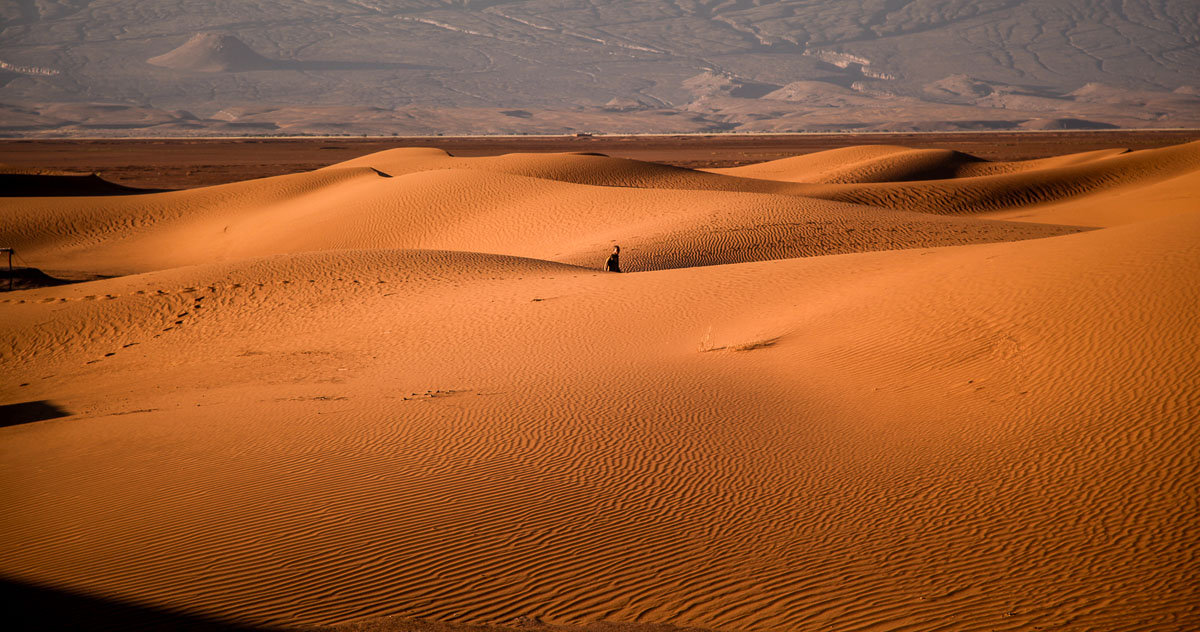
(133, 67)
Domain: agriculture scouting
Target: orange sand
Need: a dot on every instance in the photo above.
(924, 392)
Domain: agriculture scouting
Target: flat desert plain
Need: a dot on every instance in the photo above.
(179, 163)
(869, 388)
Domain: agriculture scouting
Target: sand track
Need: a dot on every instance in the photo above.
(338, 396)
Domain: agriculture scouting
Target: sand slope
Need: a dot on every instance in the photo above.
(882, 163)
(473, 210)
(1059, 181)
(336, 396)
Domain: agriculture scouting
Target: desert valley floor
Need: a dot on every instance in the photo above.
(868, 388)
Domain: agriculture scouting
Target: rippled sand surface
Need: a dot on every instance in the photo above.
(868, 389)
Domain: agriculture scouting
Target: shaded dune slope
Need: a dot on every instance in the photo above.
(400, 387)
(1061, 180)
(17, 184)
(1119, 205)
(876, 163)
(884, 163)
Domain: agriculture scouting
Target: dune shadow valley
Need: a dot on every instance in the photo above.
(876, 387)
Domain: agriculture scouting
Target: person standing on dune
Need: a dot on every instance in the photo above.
(613, 264)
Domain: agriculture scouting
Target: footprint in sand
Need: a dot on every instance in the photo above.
(431, 394)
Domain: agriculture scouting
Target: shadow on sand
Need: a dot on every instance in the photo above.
(39, 608)
(29, 412)
(55, 185)
(32, 278)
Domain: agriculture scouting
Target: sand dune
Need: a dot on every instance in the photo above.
(1128, 204)
(882, 163)
(577, 168)
(1064, 180)
(848, 175)
(874, 163)
(474, 210)
(401, 387)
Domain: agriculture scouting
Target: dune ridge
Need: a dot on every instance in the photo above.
(400, 394)
(882, 163)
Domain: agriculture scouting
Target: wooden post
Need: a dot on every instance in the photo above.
(10, 270)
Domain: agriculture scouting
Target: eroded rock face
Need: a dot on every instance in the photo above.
(458, 67)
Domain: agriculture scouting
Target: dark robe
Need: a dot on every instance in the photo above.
(613, 264)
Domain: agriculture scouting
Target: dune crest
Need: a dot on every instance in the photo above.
(400, 392)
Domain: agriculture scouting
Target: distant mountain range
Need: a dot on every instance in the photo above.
(165, 67)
